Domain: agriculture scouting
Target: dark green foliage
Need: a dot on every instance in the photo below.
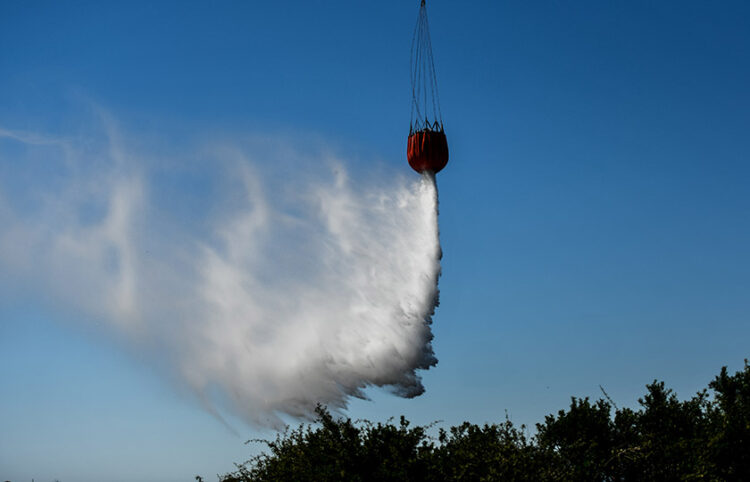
(703, 438)
(730, 424)
(490, 452)
(341, 450)
(581, 439)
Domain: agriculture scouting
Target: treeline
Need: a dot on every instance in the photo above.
(704, 438)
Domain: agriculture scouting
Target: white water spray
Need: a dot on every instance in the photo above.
(293, 297)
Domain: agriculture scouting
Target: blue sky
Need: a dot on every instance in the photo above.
(593, 216)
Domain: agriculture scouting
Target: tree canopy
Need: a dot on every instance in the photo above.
(704, 438)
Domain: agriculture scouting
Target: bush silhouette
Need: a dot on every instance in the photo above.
(704, 438)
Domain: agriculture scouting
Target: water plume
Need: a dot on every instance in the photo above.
(281, 295)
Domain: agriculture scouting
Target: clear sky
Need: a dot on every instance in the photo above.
(593, 217)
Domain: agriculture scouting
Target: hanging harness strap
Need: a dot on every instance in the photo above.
(425, 101)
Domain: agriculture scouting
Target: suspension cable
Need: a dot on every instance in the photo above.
(424, 91)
